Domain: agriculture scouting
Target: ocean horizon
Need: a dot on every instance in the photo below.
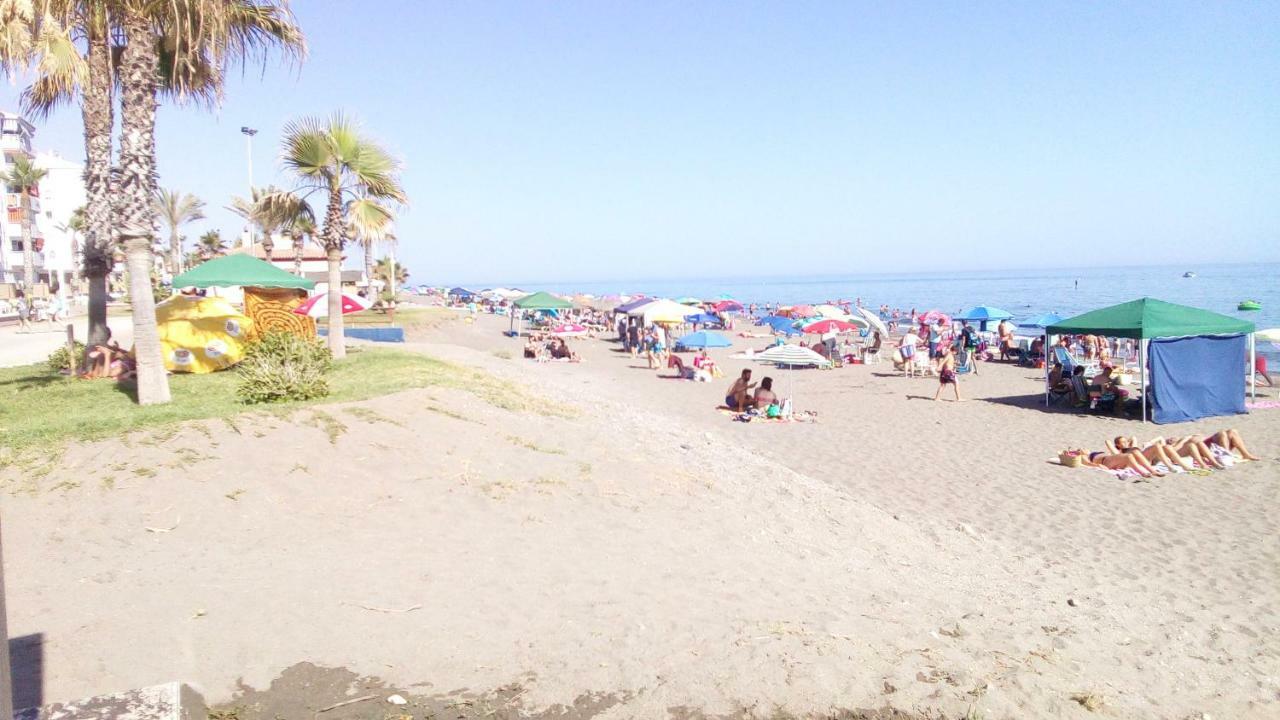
(1218, 287)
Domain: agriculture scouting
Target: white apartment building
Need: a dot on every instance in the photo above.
(15, 140)
(61, 193)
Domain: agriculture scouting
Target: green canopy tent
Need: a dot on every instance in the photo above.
(537, 301)
(240, 270)
(1146, 319)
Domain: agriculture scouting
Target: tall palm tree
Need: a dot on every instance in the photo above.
(24, 178)
(269, 210)
(369, 242)
(357, 176)
(176, 209)
(211, 245)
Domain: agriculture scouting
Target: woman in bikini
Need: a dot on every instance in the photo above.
(1156, 452)
(1120, 461)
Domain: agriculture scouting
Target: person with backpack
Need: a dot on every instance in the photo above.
(969, 346)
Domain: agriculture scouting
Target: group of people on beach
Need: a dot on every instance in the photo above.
(1177, 454)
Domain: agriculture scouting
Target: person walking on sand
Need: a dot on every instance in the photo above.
(947, 373)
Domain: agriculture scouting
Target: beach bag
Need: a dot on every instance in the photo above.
(1070, 458)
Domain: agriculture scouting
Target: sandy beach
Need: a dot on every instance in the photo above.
(622, 549)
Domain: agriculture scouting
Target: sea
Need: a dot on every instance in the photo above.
(1023, 293)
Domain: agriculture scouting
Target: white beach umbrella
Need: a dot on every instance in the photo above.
(791, 356)
(875, 321)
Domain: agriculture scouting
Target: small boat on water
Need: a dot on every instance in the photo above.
(1188, 274)
(1249, 305)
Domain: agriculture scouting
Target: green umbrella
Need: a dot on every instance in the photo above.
(240, 270)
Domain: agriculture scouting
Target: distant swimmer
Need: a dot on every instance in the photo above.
(1077, 284)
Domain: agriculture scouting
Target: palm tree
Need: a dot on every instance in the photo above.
(176, 209)
(357, 175)
(383, 272)
(302, 230)
(369, 245)
(23, 178)
(211, 245)
(267, 210)
(75, 226)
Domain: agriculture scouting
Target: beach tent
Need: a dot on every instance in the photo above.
(240, 270)
(537, 301)
(1196, 357)
(461, 293)
(626, 307)
(663, 311)
(703, 318)
(542, 301)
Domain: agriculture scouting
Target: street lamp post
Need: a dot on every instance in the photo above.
(248, 139)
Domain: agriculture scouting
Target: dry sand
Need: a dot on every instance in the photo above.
(634, 547)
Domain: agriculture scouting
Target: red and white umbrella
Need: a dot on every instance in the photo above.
(317, 306)
(568, 330)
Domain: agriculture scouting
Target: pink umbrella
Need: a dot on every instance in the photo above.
(933, 316)
(727, 306)
(317, 306)
(822, 327)
(801, 311)
(568, 330)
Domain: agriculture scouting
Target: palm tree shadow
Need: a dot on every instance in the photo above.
(32, 382)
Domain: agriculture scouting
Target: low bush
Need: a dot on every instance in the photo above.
(61, 361)
(282, 366)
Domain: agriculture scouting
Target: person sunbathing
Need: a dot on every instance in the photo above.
(1230, 440)
(1120, 461)
(1195, 450)
(1155, 452)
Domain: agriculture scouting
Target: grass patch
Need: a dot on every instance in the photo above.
(531, 445)
(40, 410)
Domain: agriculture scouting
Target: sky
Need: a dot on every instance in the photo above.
(573, 141)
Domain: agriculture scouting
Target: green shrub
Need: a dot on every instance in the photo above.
(282, 366)
(59, 360)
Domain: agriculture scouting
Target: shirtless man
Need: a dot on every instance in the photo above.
(737, 397)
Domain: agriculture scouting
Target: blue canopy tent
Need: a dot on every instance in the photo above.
(703, 339)
(461, 293)
(1196, 358)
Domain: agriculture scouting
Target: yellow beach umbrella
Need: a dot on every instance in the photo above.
(200, 335)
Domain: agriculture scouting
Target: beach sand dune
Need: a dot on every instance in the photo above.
(623, 537)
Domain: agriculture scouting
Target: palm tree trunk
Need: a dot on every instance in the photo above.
(28, 250)
(336, 330)
(95, 110)
(299, 245)
(175, 252)
(368, 267)
(138, 68)
(334, 238)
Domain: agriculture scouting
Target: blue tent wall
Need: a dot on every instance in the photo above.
(1197, 377)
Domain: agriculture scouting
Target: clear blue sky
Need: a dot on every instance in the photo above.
(581, 140)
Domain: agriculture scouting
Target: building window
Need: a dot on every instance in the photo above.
(15, 244)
